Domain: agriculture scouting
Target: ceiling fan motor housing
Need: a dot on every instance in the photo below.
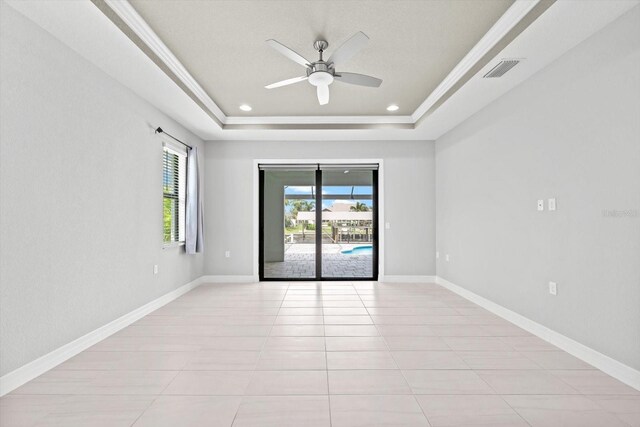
(320, 74)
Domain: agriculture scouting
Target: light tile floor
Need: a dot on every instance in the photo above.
(322, 354)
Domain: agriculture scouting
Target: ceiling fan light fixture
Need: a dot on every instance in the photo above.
(392, 107)
(246, 107)
(322, 73)
(321, 78)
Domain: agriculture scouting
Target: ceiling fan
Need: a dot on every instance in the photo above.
(322, 73)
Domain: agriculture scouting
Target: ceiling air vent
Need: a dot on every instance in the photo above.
(501, 68)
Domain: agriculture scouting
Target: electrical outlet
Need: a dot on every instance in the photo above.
(446, 257)
(155, 269)
(553, 288)
(540, 205)
(227, 254)
(552, 204)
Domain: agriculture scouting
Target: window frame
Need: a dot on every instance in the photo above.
(177, 195)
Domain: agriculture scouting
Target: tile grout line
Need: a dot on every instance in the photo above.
(456, 352)
(326, 359)
(415, 399)
(264, 343)
(156, 397)
(372, 295)
(500, 338)
(615, 414)
(483, 380)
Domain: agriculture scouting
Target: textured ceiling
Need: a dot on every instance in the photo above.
(413, 46)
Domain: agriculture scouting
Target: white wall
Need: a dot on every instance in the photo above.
(408, 195)
(81, 197)
(571, 132)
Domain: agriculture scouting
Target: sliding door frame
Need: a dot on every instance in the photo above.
(318, 237)
(378, 218)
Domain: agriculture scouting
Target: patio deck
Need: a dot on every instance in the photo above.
(299, 262)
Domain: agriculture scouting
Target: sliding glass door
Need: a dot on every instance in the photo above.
(318, 222)
(347, 222)
(287, 220)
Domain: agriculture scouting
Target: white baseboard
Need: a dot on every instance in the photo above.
(407, 279)
(31, 370)
(255, 279)
(620, 371)
(229, 279)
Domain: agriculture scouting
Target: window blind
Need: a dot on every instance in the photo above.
(173, 186)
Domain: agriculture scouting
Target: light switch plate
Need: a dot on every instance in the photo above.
(155, 269)
(446, 257)
(540, 205)
(552, 204)
(387, 225)
(227, 254)
(437, 254)
(553, 288)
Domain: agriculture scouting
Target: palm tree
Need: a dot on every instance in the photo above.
(306, 205)
(299, 206)
(296, 206)
(359, 207)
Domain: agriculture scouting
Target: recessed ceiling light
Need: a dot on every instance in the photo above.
(346, 171)
(245, 107)
(392, 107)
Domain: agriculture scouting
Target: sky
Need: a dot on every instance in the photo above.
(365, 189)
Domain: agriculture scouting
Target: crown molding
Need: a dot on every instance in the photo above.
(319, 120)
(133, 20)
(456, 78)
(500, 29)
(95, 32)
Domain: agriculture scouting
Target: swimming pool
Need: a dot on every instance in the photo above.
(359, 250)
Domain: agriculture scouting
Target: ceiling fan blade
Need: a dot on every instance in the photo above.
(358, 79)
(349, 48)
(294, 56)
(323, 94)
(286, 82)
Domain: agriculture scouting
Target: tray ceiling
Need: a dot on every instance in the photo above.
(111, 35)
(413, 46)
